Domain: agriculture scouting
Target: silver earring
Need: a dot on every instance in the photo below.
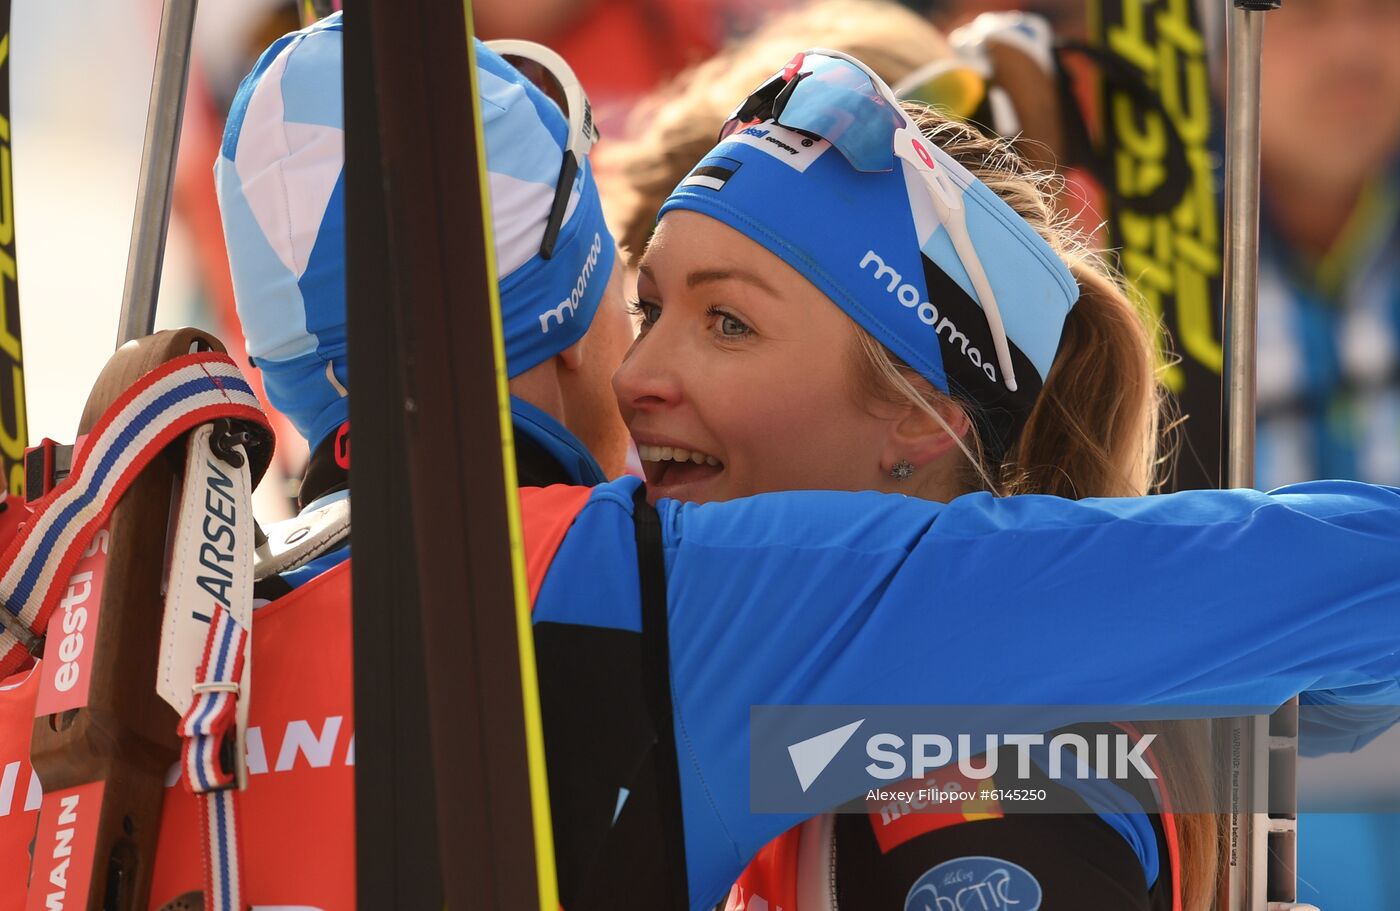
(902, 470)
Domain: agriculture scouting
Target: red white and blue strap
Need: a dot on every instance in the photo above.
(223, 878)
(170, 400)
(207, 762)
(211, 715)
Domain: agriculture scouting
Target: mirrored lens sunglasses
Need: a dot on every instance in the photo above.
(835, 97)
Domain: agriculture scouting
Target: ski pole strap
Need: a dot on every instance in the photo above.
(207, 762)
(168, 401)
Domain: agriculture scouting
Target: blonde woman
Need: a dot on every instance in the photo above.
(795, 334)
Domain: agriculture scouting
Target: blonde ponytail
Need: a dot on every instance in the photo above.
(1093, 432)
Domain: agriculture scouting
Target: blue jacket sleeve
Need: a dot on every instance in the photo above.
(1200, 599)
(1346, 720)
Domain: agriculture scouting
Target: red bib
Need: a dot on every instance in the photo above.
(298, 814)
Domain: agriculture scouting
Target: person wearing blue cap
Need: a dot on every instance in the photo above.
(281, 184)
(280, 178)
(818, 596)
(784, 292)
(566, 324)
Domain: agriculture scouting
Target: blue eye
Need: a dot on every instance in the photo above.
(648, 312)
(730, 326)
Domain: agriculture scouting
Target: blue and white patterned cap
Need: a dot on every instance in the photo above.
(281, 185)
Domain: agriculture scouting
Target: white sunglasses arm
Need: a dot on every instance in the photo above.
(962, 243)
(948, 204)
(583, 130)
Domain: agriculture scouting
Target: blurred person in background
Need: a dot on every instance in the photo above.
(676, 125)
(1329, 285)
(622, 48)
(1329, 318)
(1067, 17)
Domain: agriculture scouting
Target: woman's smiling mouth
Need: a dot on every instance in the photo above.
(670, 469)
(650, 453)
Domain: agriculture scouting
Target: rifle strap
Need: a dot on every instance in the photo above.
(656, 636)
(178, 395)
(207, 764)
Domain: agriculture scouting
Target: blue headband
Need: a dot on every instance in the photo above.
(280, 177)
(858, 237)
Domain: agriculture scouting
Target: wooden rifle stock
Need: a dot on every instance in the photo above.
(125, 736)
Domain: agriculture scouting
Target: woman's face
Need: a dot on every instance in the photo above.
(743, 379)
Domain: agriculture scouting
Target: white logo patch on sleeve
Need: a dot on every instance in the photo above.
(795, 149)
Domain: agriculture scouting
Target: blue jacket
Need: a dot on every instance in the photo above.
(547, 449)
(1203, 598)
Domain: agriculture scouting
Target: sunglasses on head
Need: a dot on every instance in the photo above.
(552, 76)
(834, 97)
(950, 87)
(314, 10)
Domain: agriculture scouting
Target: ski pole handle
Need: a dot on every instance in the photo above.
(157, 182)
